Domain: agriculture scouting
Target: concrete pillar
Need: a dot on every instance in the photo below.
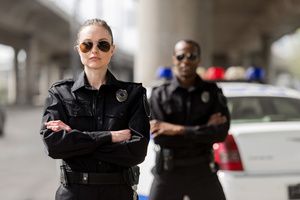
(266, 41)
(13, 86)
(49, 73)
(44, 82)
(161, 24)
(235, 58)
(247, 59)
(261, 57)
(32, 64)
(220, 59)
(17, 81)
(21, 96)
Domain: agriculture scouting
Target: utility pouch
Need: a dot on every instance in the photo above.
(131, 175)
(214, 166)
(168, 159)
(158, 168)
(63, 176)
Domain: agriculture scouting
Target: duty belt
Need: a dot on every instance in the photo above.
(169, 162)
(95, 178)
(128, 176)
(190, 161)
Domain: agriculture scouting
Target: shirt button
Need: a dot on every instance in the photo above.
(100, 163)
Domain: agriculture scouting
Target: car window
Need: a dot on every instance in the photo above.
(286, 108)
(262, 109)
(245, 108)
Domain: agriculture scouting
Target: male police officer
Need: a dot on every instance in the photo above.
(189, 115)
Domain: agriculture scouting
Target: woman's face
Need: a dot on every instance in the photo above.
(94, 47)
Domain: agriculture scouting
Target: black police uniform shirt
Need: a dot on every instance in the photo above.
(192, 108)
(92, 114)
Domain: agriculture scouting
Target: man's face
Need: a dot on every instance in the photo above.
(185, 59)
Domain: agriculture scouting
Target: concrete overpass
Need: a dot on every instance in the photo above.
(243, 29)
(43, 32)
(231, 32)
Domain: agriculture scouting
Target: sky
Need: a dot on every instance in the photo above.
(85, 8)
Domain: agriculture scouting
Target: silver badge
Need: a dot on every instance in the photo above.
(205, 97)
(121, 95)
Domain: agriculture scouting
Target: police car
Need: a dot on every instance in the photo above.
(260, 158)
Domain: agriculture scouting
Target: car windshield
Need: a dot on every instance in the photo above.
(263, 109)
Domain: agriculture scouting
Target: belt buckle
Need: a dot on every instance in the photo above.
(85, 178)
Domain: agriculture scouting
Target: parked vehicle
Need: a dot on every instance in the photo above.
(260, 158)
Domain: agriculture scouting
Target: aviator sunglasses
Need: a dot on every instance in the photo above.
(188, 56)
(103, 46)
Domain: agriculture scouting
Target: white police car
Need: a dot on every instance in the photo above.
(260, 158)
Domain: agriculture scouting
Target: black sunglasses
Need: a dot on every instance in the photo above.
(188, 56)
(87, 46)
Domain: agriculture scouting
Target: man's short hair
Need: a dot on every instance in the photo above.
(192, 42)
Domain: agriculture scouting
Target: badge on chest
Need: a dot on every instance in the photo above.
(205, 97)
(121, 95)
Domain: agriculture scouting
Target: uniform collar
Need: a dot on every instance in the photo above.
(175, 84)
(81, 81)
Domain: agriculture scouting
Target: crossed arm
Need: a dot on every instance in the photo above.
(164, 128)
(116, 136)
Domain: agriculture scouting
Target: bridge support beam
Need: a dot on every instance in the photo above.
(161, 24)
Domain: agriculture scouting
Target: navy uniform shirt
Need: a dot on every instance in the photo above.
(192, 108)
(92, 114)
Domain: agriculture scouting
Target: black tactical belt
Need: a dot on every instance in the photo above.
(95, 178)
(190, 161)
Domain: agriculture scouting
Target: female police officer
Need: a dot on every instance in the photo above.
(97, 125)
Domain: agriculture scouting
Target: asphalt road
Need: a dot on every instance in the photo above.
(26, 172)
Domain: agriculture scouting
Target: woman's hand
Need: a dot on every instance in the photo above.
(120, 136)
(57, 125)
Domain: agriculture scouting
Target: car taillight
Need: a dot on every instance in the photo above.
(227, 155)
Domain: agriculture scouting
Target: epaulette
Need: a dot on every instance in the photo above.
(211, 84)
(62, 82)
(163, 85)
(129, 83)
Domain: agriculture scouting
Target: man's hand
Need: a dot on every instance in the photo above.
(57, 125)
(165, 128)
(120, 136)
(216, 119)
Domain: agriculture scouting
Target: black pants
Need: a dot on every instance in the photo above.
(197, 183)
(94, 192)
